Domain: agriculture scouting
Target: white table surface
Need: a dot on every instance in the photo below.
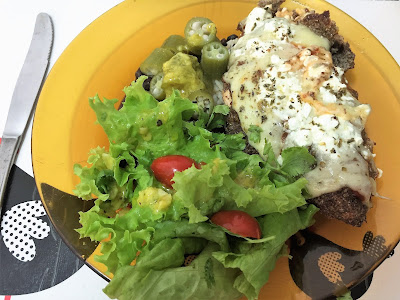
(17, 18)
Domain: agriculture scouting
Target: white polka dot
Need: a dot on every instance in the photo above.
(19, 225)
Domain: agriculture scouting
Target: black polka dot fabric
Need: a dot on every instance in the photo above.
(20, 226)
(33, 256)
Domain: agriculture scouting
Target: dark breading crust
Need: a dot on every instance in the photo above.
(372, 169)
(354, 93)
(344, 205)
(322, 25)
(275, 5)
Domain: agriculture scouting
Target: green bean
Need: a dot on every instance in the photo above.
(152, 65)
(199, 32)
(155, 87)
(176, 43)
(214, 60)
(204, 101)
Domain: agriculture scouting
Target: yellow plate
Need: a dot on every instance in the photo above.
(103, 59)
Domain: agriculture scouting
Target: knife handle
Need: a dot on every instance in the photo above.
(8, 151)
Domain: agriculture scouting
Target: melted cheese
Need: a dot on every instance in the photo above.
(282, 79)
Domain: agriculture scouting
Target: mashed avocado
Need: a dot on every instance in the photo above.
(156, 198)
(182, 72)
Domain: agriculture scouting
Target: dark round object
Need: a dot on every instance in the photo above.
(146, 83)
(231, 37)
(138, 73)
(223, 42)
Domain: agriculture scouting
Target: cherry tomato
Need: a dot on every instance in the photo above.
(238, 222)
(165, 167)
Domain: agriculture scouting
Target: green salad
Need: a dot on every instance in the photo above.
(181, 211)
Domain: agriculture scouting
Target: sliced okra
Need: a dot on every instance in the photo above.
(199, 32)
(214, 60)
(176, 43)
(155, 87)
(152, 65)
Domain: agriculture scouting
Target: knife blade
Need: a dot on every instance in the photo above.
(24, 97)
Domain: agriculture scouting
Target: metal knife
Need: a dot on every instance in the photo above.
(25, 94)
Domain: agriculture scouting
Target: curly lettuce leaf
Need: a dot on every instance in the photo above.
(121, 236)
(125, 234)
(149, 127)
(157, 258)
(256, 261)
(205, 191)
(184, 229)
(204, 278)
(144, 129)
(209, 189)
(271, 199)
(99, 161)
